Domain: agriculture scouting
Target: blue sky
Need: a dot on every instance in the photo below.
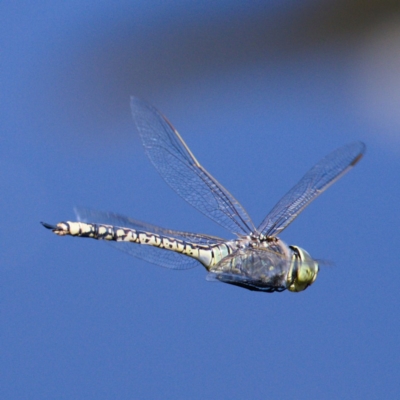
(258, 103)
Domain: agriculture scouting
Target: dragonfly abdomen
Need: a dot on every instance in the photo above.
(208, 255)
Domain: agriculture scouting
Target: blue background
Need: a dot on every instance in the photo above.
(260, 91)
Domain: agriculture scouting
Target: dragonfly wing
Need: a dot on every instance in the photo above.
(161, 257)
(180, 169)
(313, 183)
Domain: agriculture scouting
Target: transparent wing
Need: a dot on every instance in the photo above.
(180, 169)
(161, 257)
(313, 183)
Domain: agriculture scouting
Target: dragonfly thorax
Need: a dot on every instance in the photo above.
(265, 264)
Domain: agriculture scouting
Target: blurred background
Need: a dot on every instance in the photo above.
(260, 91)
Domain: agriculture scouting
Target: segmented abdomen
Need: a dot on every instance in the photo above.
(207, 255)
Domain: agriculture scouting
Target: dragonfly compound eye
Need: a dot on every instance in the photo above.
(306, 272)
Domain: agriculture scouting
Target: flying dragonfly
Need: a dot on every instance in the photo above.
(256, 259)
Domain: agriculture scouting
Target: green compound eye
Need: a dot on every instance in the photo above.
(307, 270)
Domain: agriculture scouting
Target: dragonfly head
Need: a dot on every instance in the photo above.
(304, 270)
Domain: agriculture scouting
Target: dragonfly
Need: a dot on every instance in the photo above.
(256, 259)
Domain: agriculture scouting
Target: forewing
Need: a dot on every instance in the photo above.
(313, 183)
(161, 257)
(180, 169)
